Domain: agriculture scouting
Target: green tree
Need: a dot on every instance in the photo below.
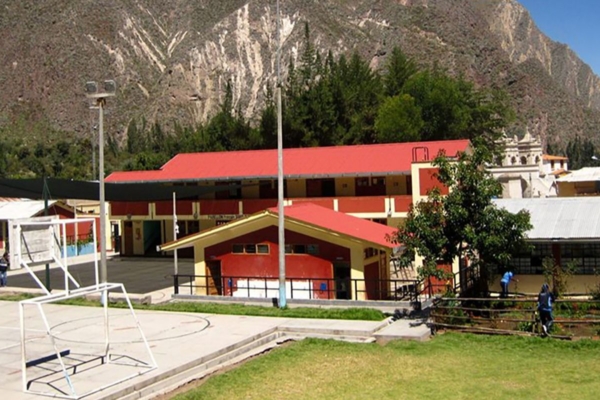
(398, 120)
(465, 223)
(455, 109)
(397, 71)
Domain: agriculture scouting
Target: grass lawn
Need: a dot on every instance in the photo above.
(363, 314)
(450, 366)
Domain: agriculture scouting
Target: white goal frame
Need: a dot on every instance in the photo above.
(52, 230)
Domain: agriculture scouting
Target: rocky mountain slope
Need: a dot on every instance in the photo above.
(171, 60)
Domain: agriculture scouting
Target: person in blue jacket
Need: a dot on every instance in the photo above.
(544, 307)
(506, 278)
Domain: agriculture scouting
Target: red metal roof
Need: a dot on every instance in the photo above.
(374, 159)
(339, 222)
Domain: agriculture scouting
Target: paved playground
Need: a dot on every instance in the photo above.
(184, 346)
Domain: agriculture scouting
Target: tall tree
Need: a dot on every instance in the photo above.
(399, 120)
(465, 223)
(397, 71)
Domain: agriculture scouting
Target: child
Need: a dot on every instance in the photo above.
(544, 306)
(506, 278)
(4, 264)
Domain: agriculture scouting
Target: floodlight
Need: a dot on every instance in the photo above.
(110, 87)
(91, 87)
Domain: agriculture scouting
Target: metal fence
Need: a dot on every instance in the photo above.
(324, 288)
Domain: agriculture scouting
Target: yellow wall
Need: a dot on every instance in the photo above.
(396, 185)
(345, 187)
(207, 196)
(252, 190)
(296, 188)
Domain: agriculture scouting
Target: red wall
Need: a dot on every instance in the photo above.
(361, 204)
(184, 207)
(428, 180)
(128, 207)
(298, 266)
(83, 228)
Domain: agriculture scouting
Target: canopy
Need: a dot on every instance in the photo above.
(90, 190)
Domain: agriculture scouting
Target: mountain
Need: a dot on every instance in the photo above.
(172, 60)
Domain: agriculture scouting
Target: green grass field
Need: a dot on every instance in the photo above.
(450, 366)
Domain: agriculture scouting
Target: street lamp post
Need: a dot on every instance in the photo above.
(99, 95)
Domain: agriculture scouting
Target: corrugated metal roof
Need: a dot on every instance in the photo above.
(566, 218)
(376, 159)
(587, 174)
(22, 208)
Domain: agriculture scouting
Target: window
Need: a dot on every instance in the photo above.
(312, 249)
(250, 248)
(301, 249)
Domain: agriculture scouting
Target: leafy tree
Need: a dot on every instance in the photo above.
(454, 109)
(398, 120)
(465, 222)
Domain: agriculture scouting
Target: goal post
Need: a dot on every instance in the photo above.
(43, 240)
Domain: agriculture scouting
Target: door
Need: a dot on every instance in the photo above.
(341, 276)
(214, 282)
(128, 236)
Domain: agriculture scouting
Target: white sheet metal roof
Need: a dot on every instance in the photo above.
(559, 218)
(22, 208)
(587, 174)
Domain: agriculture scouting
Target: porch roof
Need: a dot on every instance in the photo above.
(316, 217)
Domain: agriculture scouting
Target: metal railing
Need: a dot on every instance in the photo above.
(299, 288)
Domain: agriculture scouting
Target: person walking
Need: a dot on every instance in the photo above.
(4, 264)
(544, 307)
(506, 278)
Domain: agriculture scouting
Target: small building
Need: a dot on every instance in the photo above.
(328, 255)
(582, 182)
(12, 208)
(564, 229)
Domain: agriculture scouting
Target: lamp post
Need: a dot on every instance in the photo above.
(280, 211)
(99, 95)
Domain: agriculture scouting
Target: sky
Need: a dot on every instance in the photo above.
(573, 22)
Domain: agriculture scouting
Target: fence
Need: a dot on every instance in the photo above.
(517, 316)
(324, 288)
(299, 288)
